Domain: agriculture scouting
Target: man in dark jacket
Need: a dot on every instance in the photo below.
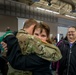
(67, 65)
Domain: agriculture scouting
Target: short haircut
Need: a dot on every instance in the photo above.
(72, 27)
(29, 22)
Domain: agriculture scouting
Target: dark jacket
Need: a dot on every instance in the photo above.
(67, 65)
(30, 62)
(3, 65)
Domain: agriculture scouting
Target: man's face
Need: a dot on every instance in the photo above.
(71, 34)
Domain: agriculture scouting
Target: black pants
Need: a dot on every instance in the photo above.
(3, 66)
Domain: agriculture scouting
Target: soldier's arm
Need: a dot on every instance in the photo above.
(47, 51)
(53, 52)
(31, 44)
(44, 50)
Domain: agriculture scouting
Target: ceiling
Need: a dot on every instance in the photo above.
(64, 7)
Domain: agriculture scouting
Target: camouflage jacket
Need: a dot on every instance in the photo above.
(30, 44)
(12, 71)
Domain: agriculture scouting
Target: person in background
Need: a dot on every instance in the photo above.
(8, 29)
(36, 70)
(67, 65)
(55, 38)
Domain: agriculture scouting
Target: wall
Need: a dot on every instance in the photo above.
(62, 30)
(53, 28)
(21, 22)
(17, 23)
(8, 21)
(66, 22)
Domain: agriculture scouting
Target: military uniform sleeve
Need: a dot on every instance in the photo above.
(44, 50)
(19, 61)
(53, 52)
(30, 44)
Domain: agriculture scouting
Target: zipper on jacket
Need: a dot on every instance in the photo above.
(70, 52)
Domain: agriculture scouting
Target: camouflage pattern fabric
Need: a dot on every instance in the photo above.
(13, 71)
(30, 44)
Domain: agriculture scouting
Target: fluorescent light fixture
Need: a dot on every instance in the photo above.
(70, 16)
(47, 10)
(40, 8)
(55, 12)
(35, 0)
(58, 37)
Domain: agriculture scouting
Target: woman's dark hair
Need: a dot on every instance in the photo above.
(44, 26)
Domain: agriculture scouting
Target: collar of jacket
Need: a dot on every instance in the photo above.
(23, 31)
(67, 42)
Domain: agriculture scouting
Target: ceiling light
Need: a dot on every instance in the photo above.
(47, 10)
(40, 8)
(35, 0)
(70, 16)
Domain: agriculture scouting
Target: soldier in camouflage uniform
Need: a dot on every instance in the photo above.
(32, 44)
